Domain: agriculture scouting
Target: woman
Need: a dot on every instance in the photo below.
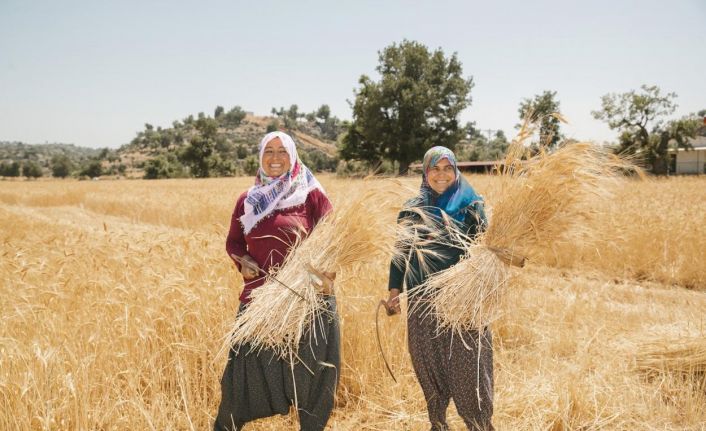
(446, 212)
(285, 202)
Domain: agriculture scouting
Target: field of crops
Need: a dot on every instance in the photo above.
(116, 297)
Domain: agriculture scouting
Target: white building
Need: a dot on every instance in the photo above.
(689, 161)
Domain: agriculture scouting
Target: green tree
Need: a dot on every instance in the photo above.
(197, 156)
(289, 116)
(273, 126)
(541, 109)
(413, 107)
(61, 166)
(234, 117)
(13, 169)
(31, 169)
(207, 127)
(163, 167)
(640, 117)
(494, 149)
(241, 151)
(251, 165)
(323, 113)
(218, 112)
(92, 168)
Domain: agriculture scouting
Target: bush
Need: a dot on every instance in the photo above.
(31, 169)
(273, 126)
(92, 169)
(61, 166)
(241, 151)
(359, 168)
(318, 161)
(251, 165)
(10, 169)
(234, 117)
(163, 167)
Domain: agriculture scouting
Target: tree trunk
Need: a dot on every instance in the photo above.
(659, 167)
(403, 168)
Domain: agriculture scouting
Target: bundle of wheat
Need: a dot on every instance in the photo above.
(290, 303)
(544, 199)
(685, 357)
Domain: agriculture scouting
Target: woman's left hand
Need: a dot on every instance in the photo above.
(323, 280)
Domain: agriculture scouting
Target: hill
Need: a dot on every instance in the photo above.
(202, 146)
(43, 154)
(223, 145)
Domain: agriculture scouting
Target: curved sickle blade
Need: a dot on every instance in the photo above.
(382, 303)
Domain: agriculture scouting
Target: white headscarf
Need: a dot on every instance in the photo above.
(274, 193)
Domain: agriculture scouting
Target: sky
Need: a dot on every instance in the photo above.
(92, 73)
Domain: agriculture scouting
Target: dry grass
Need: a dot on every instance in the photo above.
(685, 357)
(116, 295)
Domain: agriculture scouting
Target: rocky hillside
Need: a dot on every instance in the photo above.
(222, 145)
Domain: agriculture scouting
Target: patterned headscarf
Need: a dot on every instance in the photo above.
(454, 199)
(273, 193)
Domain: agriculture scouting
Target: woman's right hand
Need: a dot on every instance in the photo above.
(248, 267)
(393, 302)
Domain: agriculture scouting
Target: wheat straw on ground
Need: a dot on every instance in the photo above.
(684, 357)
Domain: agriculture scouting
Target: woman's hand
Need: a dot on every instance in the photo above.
(324, 280)
(393, 302)
(248, 267)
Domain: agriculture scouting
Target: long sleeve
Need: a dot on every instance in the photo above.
(318, 206)
(235, 242)
(398, 266)
(476, 220)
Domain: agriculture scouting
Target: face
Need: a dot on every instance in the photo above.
(275, 159)
(441, 176)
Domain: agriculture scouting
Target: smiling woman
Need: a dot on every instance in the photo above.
(275, 158)
(269, 219)
(441, 175)
(445, 215)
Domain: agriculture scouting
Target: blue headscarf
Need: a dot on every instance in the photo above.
(454, 199)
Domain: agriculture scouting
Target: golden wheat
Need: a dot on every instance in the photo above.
(281, 312)
(115, 296)
(543, 200)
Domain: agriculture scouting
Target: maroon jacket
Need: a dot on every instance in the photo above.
(271, 239)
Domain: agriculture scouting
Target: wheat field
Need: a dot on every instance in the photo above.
(117, 296)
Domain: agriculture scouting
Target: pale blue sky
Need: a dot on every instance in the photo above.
(93, 72)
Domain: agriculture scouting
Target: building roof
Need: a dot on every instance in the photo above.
(699, 144)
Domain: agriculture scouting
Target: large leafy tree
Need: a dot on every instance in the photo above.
(640, 117)
(414, 106)
(542, 109)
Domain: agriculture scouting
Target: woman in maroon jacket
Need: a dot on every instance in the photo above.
(285, 202)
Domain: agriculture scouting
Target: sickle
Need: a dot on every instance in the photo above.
(382, 303)
(261, 271)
